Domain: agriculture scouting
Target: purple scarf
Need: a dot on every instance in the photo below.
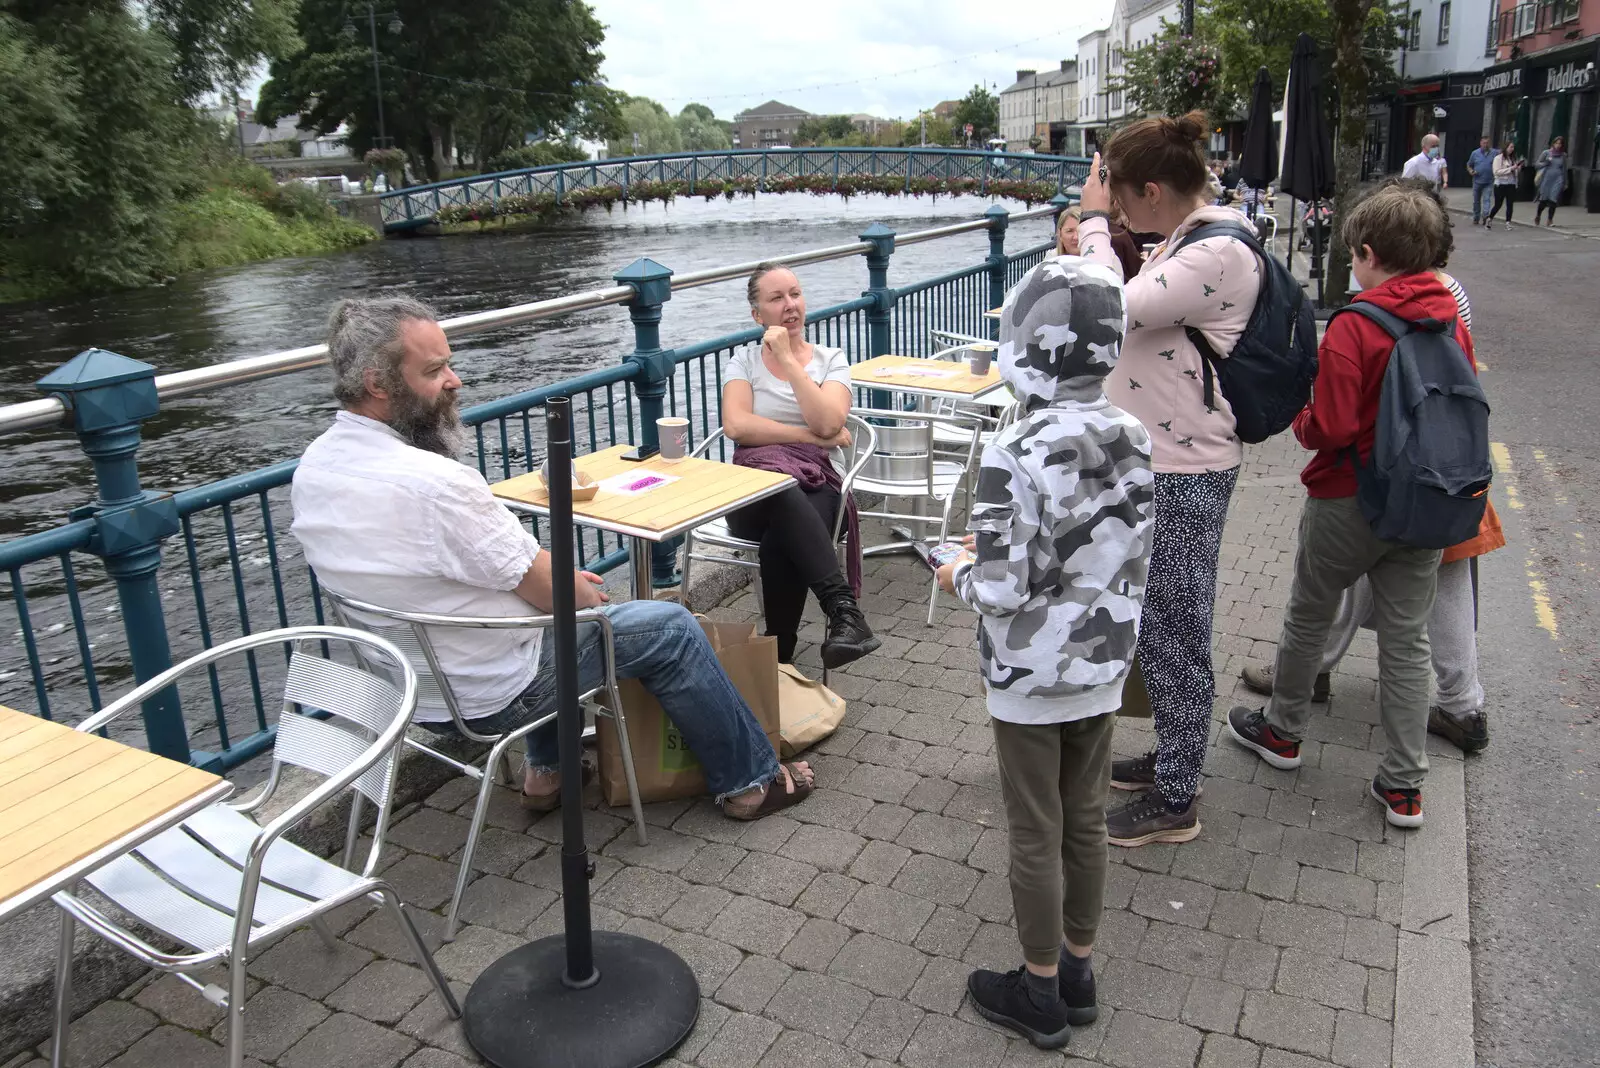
(812, 467)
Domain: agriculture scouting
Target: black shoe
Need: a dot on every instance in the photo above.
(1078, 995)
(1258, 677)
(1002, 998)
(1147, 819)
(1139, 773)
(849, 637)
(1249, 727)
(1467, 731)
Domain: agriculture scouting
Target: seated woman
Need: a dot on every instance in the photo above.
(1122, 242)
(784, 403)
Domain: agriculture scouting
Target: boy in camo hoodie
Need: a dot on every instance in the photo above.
(1060, 526)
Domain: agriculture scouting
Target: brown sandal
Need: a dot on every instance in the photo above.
(774, 799)
(550, 802)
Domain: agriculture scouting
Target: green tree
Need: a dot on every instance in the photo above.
(1355, 25)
(979, 109)
(651, 124)
(1174, 74)
(463, 80)
(699, 130)
(220, 42)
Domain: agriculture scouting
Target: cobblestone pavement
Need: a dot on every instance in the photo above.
(841, 933)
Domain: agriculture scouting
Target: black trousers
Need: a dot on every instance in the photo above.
(1503, 194)
(795, 529)
(1541, 208)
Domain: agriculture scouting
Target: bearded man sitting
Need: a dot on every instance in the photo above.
(387, 514)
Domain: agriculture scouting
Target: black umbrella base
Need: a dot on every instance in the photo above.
(519, 1014)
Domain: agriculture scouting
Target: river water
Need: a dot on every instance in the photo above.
(264, 307)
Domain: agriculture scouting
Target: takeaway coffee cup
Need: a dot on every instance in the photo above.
(673, 434)
(982, 356)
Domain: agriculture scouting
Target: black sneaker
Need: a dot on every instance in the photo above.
(1002, 998)
(849, 638)
(1401, 807)
(1147, 819)
(1078, 995)
(1467, 731)
(1139, 773)
(1251, 730)
(1258, 677)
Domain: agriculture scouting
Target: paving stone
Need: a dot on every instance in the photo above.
(1180, 901)
(304, 964)
(941, 881)
(768, 835)
(423, 882)
(1156, 858)
(740, 1042)
(880, 783)
(1289, 808)
(1224, 867)
(887, 912)
(756, 926)
(1136, 1041)
(383, 992)
(1370, 942)
(816, 944)
(942, 1042)
(1243, 798)
(885, 822)
(1319, 848)
(503, 904)
(753, 983)
(1338, 984)
(474, 949)
(1349, 894)
(991, 899)
(1142, 988)
(430, 831)
(1121, 881)
(1273, 876)
(939, 835)
(437, 1058)
(641, 892)
(175, 1002)
(879, 862)
(885, 1028)
(1292, 1023)
(276, 1019)
(712, 961)
(798, 1047)
(1380, 994)
(775, 879)
(105, 1031)
(1252, 964)
(1279, 1058)
(824, 848)
(705, 820)
(1213, 1005)
(544, 871)
(599, 827)
(1259, 835)
(502, 852)
(712, 864)
(349, 1042)
(883, 967)
(1383, 863)
(1184, 950)
(428, 1023)
(888, 753)
(818, 1004)
(1360, 1041)
(668, 850)
(1390, 902)
(1120, 934)
(992, 853)
(947, 932)
(167, 1047)
(1303, 927)
(833, 808)
(827, 895)
(941, 986)
(1223, 1051)
(1237, 915)
(696, 908)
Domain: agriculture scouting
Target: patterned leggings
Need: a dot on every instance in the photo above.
(1175, 630)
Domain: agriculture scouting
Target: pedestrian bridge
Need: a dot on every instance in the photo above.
(848, 171)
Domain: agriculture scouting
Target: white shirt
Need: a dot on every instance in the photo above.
(385, 522)
(773, 398)
(1423, 166)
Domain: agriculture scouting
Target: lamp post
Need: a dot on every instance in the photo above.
(395, 26)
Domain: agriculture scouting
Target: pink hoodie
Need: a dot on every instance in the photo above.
(1211, 285)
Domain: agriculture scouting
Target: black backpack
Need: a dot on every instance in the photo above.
(1427, 480)
(1267, 377)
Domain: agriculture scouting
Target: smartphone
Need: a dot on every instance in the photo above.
(643, 452)
(936, 556)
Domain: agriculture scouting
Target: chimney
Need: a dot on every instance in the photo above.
(1067, 64)
(1021, 74)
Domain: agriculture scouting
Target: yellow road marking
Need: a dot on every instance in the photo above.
(1508, 479)
(1544, 612)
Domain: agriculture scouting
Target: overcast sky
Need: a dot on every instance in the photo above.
(884, 57)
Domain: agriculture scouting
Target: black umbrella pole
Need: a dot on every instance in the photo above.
(569, 718)
(1316, 250)
(1288, 261)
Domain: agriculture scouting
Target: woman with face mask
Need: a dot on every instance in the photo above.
(1552, 179)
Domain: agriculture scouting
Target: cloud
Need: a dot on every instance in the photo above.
(883, 57)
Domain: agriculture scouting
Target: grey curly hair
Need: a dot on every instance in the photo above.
(363, 335)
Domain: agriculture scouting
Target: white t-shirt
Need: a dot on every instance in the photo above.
(1421, 166)
(773, 397)
(385, 522)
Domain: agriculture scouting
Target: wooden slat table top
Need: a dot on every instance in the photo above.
(705, 490)
(67, 797)
(888, 372)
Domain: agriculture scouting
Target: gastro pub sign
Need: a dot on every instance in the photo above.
(1572, 76)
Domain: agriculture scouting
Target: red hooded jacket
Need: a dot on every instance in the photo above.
(1351, 361)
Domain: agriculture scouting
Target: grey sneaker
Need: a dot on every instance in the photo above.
(1467, 731)
(1146, 819)
(1258, 677)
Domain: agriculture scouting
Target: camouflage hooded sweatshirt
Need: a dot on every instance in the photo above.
(1063, 507)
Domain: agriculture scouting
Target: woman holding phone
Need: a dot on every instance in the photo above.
(784, 403)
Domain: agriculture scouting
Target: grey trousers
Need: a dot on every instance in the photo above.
(1452, 636)
(1336, 548)
(1053, 777)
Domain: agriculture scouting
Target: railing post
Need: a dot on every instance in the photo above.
(652, 287)
(108, 396)
(881, 238)
(999, 219)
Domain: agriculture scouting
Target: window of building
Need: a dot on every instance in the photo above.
(1444, 22)
(1493, 38)
(1414, 40)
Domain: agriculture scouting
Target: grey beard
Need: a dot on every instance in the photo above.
(433, 428)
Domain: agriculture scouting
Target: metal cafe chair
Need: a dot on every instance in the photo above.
(742, 553)
(904, 465)
(223, 884)
(409, 632)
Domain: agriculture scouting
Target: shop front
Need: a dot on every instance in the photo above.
(1534, 99)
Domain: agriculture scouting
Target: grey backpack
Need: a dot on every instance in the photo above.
(1427, 480)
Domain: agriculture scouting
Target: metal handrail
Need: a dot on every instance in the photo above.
(50, 411)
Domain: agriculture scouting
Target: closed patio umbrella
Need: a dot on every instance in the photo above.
(1258, 163)
(1307, 147)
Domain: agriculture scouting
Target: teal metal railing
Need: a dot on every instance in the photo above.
(139, 579)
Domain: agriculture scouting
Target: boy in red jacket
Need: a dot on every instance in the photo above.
(1393, 236)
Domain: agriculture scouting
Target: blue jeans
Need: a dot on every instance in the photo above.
(662, 646)
(1480, 194)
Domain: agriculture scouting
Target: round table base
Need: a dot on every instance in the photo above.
(519, 1014)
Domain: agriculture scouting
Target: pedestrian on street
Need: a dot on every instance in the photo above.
(1506, 168)
(1157, 173)
(1394, 237)
(1480, 165)
(1056, 570)
(1457, 713)
(1429, 163)
(1551, 179)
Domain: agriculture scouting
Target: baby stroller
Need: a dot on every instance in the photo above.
(1316, 224)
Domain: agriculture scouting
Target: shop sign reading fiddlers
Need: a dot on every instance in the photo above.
(1567, 77)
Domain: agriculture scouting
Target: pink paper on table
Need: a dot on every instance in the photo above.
(633, 483)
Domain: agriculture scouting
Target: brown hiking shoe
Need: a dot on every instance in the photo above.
(1258, 677)
(1467, 731)
(1146, 819)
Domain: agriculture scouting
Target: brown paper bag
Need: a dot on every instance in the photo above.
(807, 711)
(665, 765)
(1135, 698)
